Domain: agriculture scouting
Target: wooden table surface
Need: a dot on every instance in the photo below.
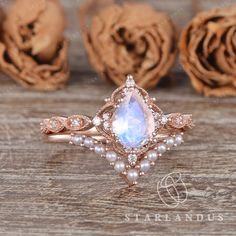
(48, 189)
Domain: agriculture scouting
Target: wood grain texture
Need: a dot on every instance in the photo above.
(48, 189)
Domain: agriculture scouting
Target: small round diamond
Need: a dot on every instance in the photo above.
(179, 120)
(75, 122)
(130, 81)
(132, 158)
(164, 120)
(97, 121)
(157, 124)
(157, 116)
(106, 116)
(53, 123)
(106, 125)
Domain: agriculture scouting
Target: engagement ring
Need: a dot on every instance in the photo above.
(130, 131)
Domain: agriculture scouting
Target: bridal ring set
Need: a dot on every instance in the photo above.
(130, 131)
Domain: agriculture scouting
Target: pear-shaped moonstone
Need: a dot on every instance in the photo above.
(133, 121)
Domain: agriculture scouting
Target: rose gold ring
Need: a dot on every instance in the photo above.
(130, 131)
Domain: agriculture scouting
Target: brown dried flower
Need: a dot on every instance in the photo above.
(1, 21)
(128, 39)
(33, 50)
(208, 52)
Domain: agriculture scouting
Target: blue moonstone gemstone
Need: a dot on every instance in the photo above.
(133, 122)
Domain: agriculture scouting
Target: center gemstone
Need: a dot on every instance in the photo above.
(133, 122)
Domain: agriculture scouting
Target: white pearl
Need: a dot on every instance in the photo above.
(152, 156)
(77, 139)
(145, 166)
(111, 156)
(99, 149)
(119, 166)
(178, 139)
(132, 175)
(170, 142)
(161, 148)
(88, 142)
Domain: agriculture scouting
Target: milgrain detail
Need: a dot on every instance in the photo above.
(65, 124)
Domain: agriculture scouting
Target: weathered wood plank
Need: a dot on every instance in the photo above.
(50, 189)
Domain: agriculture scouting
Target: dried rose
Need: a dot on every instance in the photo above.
(1, 21)
(208, 52)
(128, 39)
(33, 50)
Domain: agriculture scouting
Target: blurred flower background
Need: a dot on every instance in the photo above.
(87, 55)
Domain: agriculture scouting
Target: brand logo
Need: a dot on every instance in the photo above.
(172, 190)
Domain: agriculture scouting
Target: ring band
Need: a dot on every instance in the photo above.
(130, 131)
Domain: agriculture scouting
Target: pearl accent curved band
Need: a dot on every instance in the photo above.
(130, 131)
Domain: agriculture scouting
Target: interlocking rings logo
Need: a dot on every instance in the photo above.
(172, 190)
